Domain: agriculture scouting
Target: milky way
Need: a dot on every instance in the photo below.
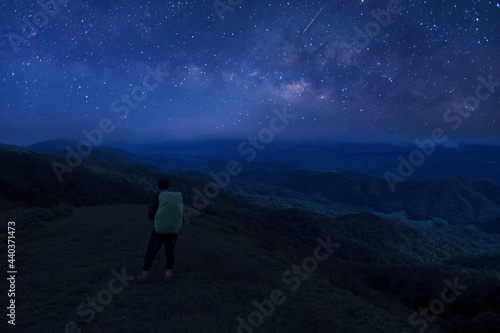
(160, 70)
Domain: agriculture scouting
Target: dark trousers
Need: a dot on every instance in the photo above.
(155, 243)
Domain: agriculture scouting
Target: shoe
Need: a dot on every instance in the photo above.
(142, 279)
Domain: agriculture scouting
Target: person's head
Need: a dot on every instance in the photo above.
(163, 184)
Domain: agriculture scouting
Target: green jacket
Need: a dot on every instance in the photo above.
(166, 212)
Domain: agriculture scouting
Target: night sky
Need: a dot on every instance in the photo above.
(174, 70)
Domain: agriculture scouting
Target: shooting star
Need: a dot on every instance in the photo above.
(312, 21)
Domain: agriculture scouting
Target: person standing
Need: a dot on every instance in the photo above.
(166, 211)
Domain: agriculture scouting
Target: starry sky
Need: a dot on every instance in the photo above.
(183, 70)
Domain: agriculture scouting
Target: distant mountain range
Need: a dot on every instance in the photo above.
(472, 161)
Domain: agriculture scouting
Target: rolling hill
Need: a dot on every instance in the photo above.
(456, 200)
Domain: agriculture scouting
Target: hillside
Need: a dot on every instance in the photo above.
(139, 156)
(51, 145)
(30, 177)
(222, 267)
(458, 200)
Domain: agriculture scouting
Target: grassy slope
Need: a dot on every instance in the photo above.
(222, 266)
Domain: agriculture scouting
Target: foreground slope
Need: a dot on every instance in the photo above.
(222, 267)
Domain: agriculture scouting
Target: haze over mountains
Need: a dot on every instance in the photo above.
(393, 246)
